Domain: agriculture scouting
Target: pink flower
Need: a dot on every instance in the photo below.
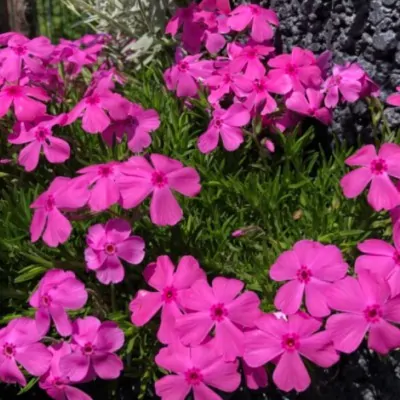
(258, 17)
(377, 169)
(227, 124)
(309, 104)
(394, 99)
(40, 137)
(93, 109)
(57, 292)
(221, 307)
(137, 127)
(224, 81)
(140, 179)
(195, 369)
(48, 219)
(300, 66)
(94, 344)
(365, 306)
(57, 386)
(310, 268)
(289, 340)
(107, 244)
(170, 286)
(19, 342)
(259, 99)
(248, 58)
(102, 181)
(185, 75)
(238, 233)
(24, 100)
(345, 80)
(22, 52)
(381, 259)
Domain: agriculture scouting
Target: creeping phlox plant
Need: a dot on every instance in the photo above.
(213, 330)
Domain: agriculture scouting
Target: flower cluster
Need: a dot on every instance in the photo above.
(89, 353)
(245, 79)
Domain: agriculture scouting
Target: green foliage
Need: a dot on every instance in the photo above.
(276, 199)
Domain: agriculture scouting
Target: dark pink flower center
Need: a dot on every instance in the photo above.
(133, 121)
(193, 376)
(110, 249)
(42, 133)
(252, 53)
(59, 382)
(19, 50)
(169, 294)
(373, 313)
(105, 171)
(396, 257)
(290, 342)
(88, 349)
(255, 10)
(14, 91)
(45, 300)
(93, 100)
(227, 79)
(159, 179)
(379, 166)
(218, 312)
(336, 80)
(218, 122)
(50, 203)
(304, 274)
(9, 350)
(259, 85)
(291, 69)
(183, 66)
(312, 111)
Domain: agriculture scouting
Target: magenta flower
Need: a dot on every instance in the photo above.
(345, 80)
(57, 292)
(310, 267)
(300, 66)
(195, 369)
(98, 109)
(394, 99)
(185, 75)
(216, 5)
(24, 100)
(48, 219)
(102, 181)
(310, 104)
(19, 343)
(140, 179)
(377, 169)
(221, 307)
(258, 17)
(290, 341)
(223, 82)
(57, 386)
(259, 99)
(94, 344)
(227, 124)
(40, 137)
(248, 58)
(170, 286)
(137, 127)
(22, 52)
(381, 259)
(365, 306)
(107, 245)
